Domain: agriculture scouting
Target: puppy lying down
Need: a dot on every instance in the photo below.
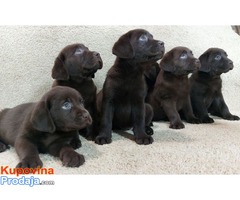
(47, 126)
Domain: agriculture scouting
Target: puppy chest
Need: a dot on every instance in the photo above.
(46, 140)
(129, 94)
(175, 90)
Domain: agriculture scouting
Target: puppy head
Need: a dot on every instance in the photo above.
(215, 61)
(138, 44)
(179, 61)
(76, 61)
(60, 109)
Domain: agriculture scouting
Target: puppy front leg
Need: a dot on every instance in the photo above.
(148, 119)
(92, 129)
(200, 110)
(170, 109)
(3, 146)
(138, 114)
(220, 108)
(28, 154)
(76, 142)
(188, 112)
(66, 153)
(105, 134)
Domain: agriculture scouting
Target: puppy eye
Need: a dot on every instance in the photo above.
(218, 57)
(79, 51)
(67, 105)
(143, 38)
(183, 56)
(81, 101)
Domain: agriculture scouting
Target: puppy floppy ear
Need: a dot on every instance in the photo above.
(41, 119)
(123, 47)
(167, 63)
(204, 63)
(59, 72)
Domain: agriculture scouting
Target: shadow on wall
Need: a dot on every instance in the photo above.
(236, 29)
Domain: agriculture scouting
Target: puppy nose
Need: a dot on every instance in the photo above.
(160, 43)
(230, 62)
(96, 54)
(85, 115)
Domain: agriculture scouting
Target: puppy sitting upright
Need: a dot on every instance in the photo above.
(121, 101)
(171, 92)
(47, 126)
(206, 86)
(75, 67)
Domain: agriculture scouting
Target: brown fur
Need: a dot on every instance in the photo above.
(46, 127)
(170, 96)
(206, 86)
(75, 67)
(121, 101)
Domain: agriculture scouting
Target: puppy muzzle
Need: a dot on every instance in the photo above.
(84, 117)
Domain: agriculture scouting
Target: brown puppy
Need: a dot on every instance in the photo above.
(171, 92)
(206, 86)
(150, 75)
(47, 126)
(121, 101)
(75, 67)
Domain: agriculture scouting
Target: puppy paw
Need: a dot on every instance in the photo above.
(207, 120)
(149, 130)
(177, 126)
(30, 162)
(75, 143)
(103, 140)
(71, 158)
(194, 120)
(231, 117)
(90, 137)
(235, 117)
(3, 147)
(144, 140)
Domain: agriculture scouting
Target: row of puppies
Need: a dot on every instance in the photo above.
(52, 124)
(174, 96)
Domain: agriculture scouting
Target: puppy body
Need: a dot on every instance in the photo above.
(171, 92)
(75, 67)
(206, 86)
(151, 74)
(48, 126)
(121, 101)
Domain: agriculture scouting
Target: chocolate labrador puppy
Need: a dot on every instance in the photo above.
(75, 67)
(206, 86)
(150, 75)
(47, 126)
(170, 96)
(121, 101)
